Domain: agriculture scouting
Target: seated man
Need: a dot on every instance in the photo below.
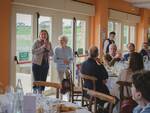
(113, 56)
(131, 49)
(91, 67)
(112, 50)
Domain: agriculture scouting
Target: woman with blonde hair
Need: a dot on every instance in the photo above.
(41, 51)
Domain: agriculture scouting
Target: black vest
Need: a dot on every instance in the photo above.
(110, 42)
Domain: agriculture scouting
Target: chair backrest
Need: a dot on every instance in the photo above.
(49, 84)
(90, 78)
(124, 86)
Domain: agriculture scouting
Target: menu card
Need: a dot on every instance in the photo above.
(29, 104)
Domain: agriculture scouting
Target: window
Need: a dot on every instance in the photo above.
(110, 26)
(132, 34)
(125, 36)
(68, 30)
(24, 19)
(45, 23)
(24, 41)
(118, 34)
(81, 36)
(125, 33)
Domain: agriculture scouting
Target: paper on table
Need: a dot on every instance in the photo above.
(29, 104)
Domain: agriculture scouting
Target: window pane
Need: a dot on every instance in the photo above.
(110, 27)
(132, 34)
(81, 36)
(45, 23)
(125, 36)
(118, 35)
(24, 41)
(24, 37)
(68, 31)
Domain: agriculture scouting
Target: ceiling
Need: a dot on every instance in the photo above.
(140, 3)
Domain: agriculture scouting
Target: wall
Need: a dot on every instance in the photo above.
(99, 23)
(142, 27)
(123, 6)
(5, 9)
(63, 6)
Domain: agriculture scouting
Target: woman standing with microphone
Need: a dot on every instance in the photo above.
(41, 51)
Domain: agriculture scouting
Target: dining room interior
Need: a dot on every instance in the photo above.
(74, 56)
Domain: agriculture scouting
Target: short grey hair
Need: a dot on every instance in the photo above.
(93, 52)
(113, 45)
(63, 37)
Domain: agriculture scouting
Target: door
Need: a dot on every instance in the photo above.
(24, 42)
(77, 42)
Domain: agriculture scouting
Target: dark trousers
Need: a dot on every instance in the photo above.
(40, 74)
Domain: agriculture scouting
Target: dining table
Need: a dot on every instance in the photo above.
(44, 104)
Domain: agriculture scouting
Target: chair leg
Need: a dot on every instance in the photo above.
(90, 104)
(57, 93)
(72, 98)
(110, 108)
(82, 101)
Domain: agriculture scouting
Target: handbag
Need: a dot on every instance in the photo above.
(127, 105)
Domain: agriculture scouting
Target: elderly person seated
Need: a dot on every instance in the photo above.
(131, 49)
(91, 67)
(113, 56)
(141, 91)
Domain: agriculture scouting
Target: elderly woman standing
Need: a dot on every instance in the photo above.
(63, 56)
(41, 51)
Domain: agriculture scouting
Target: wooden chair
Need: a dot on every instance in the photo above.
(75, 92)
(104, 97)
(91, 79)
(49, 84)
(124, 87)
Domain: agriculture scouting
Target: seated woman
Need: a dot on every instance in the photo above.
(135, 64)
(131, 49)
(141, 91)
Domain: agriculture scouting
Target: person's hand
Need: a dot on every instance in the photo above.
(47, 45)
(118, 55)
(66, 61)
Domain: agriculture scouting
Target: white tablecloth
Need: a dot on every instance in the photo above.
(46, 101)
